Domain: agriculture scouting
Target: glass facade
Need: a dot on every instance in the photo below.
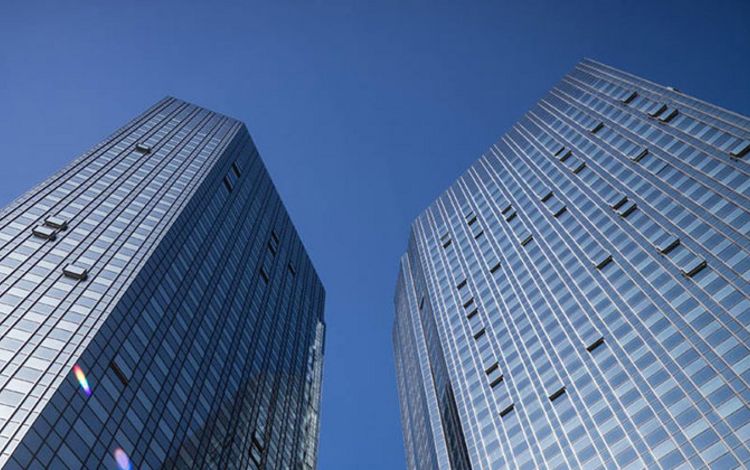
(580, 296)
(158, 309)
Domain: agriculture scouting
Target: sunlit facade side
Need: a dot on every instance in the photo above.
(158, 309)
(586, 284)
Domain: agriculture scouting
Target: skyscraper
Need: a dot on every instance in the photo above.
(580, 296)
(158, 308)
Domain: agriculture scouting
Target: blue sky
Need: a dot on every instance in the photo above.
(363, 112)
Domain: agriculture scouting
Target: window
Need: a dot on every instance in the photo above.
(601, 260)
(264, 275)
(578, 167)
(461, 285)
(626, 208)
(565, 155)
(628, 96)
(739, 150)
(75, 272)
(446, 244)
(510, 216)
(507, 410)
(494, 375)
(468, 303)
(142, 148)
(44, 232)
(668, 244)
(294, 271)
(494, 269)
(479, 234)
(421, 302)
(471, 218)
(479, 333)
(572, 163)
(56, 222)
(616, 200)
(236, 169)
(591, 347)
(119, 373)
(556, 207)
(472, 314)
(596, 127)
(227, 184)
(507, 208)
(656, 109)
(555, 147)
(668, 115)
(526, 237)
(546, 195)
(557, 394)
(692, 267)
(494, 382)
(637, 153)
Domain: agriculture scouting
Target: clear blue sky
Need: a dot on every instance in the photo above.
(363, 112)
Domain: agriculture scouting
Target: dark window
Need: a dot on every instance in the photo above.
(472, 314)
(497, 381)
(507, 410)
(595, 344)
(494, 269)
(461, 285)
(602, 260)
(236, 169)
(557, 394)
(479, 333)
(264, 275)
(227, 184)
(142, 148)
(291, 269)
(119, 373)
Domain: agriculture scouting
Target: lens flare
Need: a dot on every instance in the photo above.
(123, 462)
(81, 377)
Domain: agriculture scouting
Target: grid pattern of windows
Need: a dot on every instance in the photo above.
(609, 315)
(198, 346)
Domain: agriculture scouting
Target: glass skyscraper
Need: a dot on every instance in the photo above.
(580, 296)
(158, 309)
